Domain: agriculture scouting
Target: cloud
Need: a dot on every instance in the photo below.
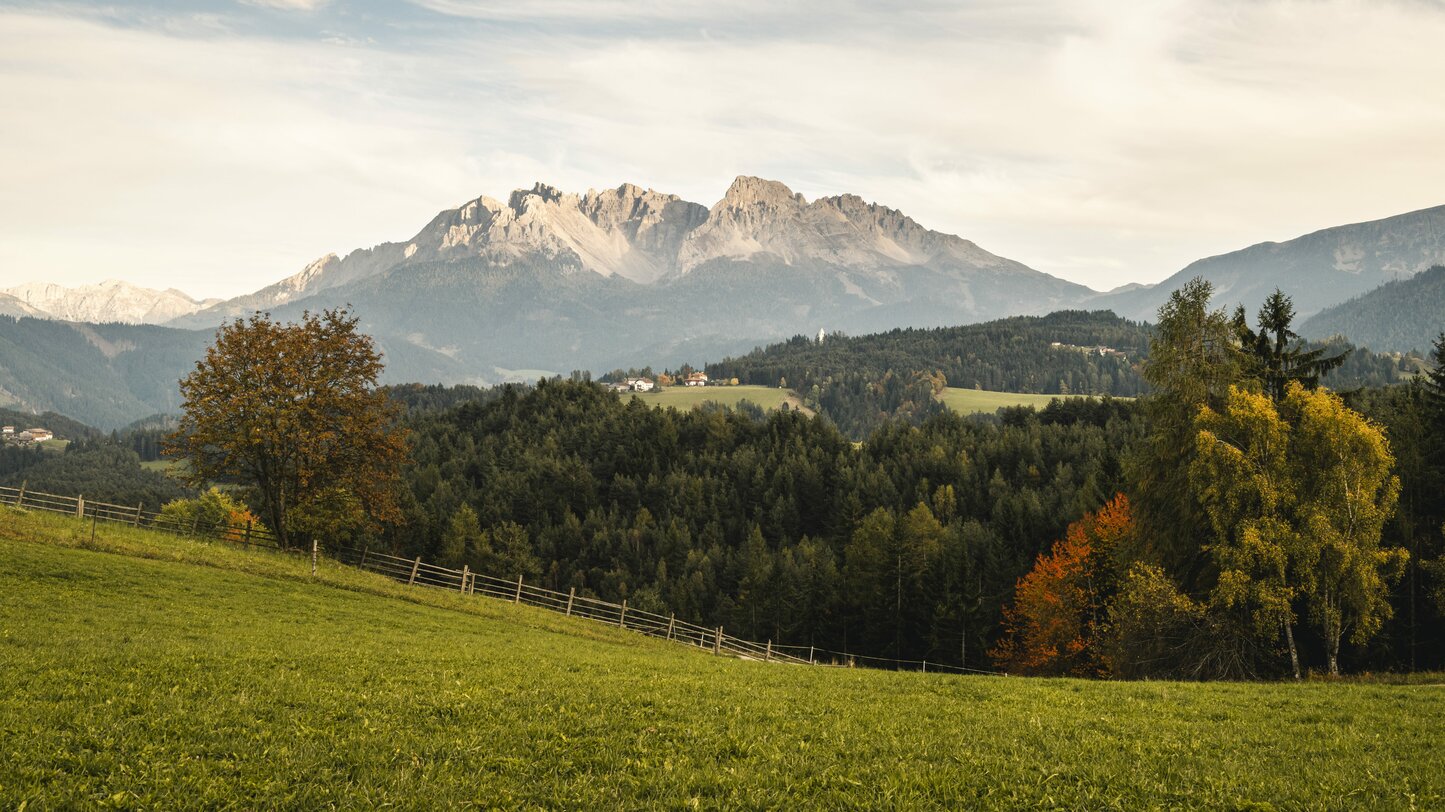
(288, 5)
(1106, 142)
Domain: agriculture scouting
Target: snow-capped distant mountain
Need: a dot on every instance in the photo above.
(109, 301)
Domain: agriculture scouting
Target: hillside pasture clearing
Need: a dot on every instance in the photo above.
(978, 401)
(691, 397)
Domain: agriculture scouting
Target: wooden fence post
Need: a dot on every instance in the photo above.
(360, 566)
(416, 565)
(20, 500)
(93, 521)
(622, 618)
(768, 656)
(138, 506)
(671, 619)
(195, 523)
(80, 506)
(717, 641)
(248, 532)
(810, 655)
(465, 572)
(925, 666)
(571, 596)
(517, 598)
(315, 549)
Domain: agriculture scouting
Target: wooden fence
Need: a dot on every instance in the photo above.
(415, 572)
(135, 516)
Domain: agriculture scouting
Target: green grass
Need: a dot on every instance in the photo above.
(151, 672)
(977, 401)
(690, 397)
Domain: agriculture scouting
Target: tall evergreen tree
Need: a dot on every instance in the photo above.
(1275, 355)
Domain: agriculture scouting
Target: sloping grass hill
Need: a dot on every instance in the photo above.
(141, 671)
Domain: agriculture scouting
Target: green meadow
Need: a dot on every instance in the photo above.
(978, 401)
(690, 397)
(140, 671)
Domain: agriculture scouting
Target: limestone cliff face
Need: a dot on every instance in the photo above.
(759, 216)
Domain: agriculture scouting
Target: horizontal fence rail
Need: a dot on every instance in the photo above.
(416, 572)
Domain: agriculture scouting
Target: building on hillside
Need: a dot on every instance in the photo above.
(7, 431)
(39, 435)
(620, 387)
(697, 379)
(640, 384)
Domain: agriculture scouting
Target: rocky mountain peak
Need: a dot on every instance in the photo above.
(747, 190)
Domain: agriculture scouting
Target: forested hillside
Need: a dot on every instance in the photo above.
(1401, 316)
(859, 382)
(105, 375)
(99, 470)
(775, 527)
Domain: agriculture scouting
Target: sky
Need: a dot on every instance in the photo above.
(217, 147)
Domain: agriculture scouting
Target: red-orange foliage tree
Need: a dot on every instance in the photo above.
(1058, 607)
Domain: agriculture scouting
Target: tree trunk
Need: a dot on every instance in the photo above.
(1333, 632)
(1293, 653)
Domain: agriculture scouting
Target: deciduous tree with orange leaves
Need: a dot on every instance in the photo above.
(1058, 607)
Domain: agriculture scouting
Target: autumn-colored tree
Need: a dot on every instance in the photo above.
(1346, 494)
(1297, 497)
(291, 411)
(1058, 608)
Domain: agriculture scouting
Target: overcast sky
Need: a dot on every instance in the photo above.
(218, 147)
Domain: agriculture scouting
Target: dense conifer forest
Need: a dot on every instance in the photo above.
(777, 527)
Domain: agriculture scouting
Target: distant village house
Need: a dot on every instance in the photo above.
(638, 385)
(1099, 350)
(696, 379)
(35, 435)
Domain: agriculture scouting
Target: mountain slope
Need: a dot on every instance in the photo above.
(104, 375)
(106, 302)
(1399, 316)
(1317, 270)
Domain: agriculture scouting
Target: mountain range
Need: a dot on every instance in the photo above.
(111, 301)
(553, 281)
(549, 281)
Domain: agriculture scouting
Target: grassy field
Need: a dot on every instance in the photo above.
(163, 466)
(690, 397)
(150, 672)
(977, 401)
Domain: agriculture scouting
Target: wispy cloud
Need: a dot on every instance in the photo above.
(1108, 142)
(288, 5)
